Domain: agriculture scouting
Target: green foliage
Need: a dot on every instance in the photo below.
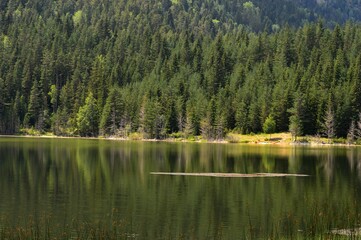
(77, 17)
(112, 117)
(88, 117)
(153, 122)
(136, 136)
(53, 94)
(269, 126)
(295, 126)
(178, 66)
(36, 114)
(248, 5)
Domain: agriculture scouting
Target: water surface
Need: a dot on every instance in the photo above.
(76, 180)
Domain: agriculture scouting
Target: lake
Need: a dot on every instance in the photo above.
(64, 187)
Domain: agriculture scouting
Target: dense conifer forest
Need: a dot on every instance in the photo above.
(182, 67)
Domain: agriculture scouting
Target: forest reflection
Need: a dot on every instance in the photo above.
(99, 164)
(89, 178)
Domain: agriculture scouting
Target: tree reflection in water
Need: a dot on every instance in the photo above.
(87, 179)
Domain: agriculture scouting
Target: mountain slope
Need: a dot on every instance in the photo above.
(259, 15)
(171, 68)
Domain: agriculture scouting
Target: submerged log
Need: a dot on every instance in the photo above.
(230, 175)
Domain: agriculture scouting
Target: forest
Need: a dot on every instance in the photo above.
(165, 68)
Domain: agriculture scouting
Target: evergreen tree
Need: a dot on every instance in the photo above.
(172, 122)
(153, 123)
(98, 84)
(191, 66)
(241, 117)
(295, 119)
(356, 86)
(35, 116)
(208, 124)
(216, 67)
(112, 117)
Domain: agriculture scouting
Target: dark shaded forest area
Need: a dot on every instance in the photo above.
(179, 67)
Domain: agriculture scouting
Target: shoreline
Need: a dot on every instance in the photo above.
(257, 139)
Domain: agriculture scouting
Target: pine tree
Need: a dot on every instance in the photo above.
(216, 67)
(172, 121)
(112, 116)
(296, 115)
(152, 122)
(180, 55)
(193, 118)
(98, 84)
(35, 115)
(336, 40)
(208, 124)
(253, 118)
(197, 53)
(280, 104)
(356, 86)
(54, 94)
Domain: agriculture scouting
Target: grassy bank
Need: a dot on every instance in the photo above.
(260, 138)
(284, 138)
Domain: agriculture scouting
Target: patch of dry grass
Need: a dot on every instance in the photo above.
(259, 138)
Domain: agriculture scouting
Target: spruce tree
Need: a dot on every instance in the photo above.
(296, 115)
(112, 116)
(35, 114)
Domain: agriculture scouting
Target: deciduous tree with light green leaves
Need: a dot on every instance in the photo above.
(269, 126)
(88, 118)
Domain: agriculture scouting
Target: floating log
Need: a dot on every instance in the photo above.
(230, 175)
(347, 232)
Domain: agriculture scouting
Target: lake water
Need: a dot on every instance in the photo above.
(69, 182)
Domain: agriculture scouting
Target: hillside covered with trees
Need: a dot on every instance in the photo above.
(162, 67)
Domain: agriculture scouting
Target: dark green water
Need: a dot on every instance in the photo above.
(73, 180)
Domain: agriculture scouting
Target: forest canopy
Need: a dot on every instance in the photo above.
(191, 67)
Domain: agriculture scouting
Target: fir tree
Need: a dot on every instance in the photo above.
(35, 115)
(112, 116)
